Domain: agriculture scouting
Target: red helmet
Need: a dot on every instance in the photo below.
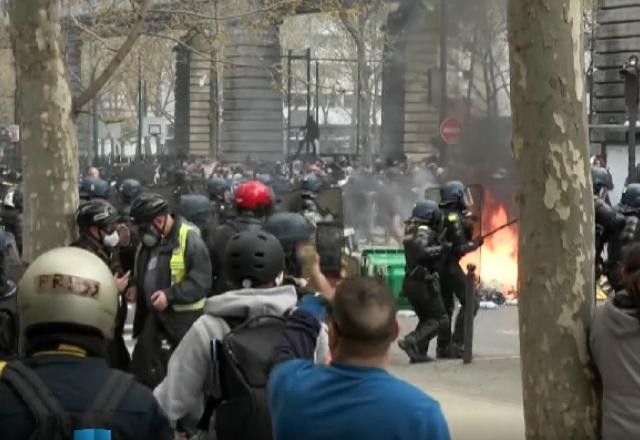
(253, 196)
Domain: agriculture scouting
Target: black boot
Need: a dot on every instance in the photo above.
(453, 351)
(410, 347)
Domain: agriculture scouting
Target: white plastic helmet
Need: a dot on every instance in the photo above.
(71, 286)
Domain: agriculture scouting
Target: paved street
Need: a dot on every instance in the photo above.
(482, 401)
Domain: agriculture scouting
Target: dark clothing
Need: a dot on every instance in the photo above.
(608, 222)
(11, 221)
(118, 354)
(626, 234)
(75, 382)
(425, 254)
(160, 332)
(223, 234)
(452, 278)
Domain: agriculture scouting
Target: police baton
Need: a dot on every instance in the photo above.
(495, 231)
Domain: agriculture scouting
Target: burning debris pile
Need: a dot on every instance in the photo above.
(497, 260)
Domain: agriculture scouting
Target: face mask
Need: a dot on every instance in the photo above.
(111, 240)
(150, 238)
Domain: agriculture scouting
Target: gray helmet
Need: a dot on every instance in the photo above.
(130, 189)
(631, 195)
(96, 212)
(196, 208)
(427, 212)
(289, 228)
(253, 259)
(68, 285)
(452, 193)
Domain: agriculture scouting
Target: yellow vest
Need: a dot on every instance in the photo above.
(178, 266)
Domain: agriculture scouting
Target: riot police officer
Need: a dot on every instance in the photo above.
(607, 221)
(293, 231)
(425, 251)
(94, 188)
(458, 232)
(11, 215)
(253, 202)
(219, 192)
(129, 190)
(97, 222)
(629, 232)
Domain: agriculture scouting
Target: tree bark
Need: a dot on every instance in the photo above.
(556, 298)
(49, 144)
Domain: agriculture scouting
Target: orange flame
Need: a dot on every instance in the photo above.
(497, 260)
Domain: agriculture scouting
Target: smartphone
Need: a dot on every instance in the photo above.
(329, 245)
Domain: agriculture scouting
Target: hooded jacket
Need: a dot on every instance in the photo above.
(615, 346)
(183, 391)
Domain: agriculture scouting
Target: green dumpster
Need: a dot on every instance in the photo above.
(387, 264)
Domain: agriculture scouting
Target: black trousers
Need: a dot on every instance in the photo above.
(453, 282)
(432, 315)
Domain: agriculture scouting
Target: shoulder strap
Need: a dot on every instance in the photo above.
(101, 411)
(49, 414)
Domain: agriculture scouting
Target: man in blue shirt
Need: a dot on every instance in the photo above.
(354, 397)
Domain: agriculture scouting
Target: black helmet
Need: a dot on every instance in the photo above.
(289, 228)
(452, 193)
(130, 189)
(217, 188)
(311, 184)
(253, 259)
(631, 195)
(601, 179)
(196, 208)
(147, 207)
(92, 188)
(96, 212)
(427, 212)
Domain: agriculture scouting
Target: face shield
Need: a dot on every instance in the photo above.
(467, 197)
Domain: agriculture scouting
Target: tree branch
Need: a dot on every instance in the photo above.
(92, 90)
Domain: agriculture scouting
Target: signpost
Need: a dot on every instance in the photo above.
(451, 131)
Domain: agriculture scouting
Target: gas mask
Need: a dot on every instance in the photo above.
(111, 240)
(151, 236)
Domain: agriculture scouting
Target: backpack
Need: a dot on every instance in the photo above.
(243, 363)
(52, 422)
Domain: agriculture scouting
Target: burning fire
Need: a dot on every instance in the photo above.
(497, 260)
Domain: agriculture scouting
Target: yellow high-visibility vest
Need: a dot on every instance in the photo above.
(178, 266)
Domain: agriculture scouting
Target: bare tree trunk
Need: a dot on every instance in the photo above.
(556, 299)
(49, 144)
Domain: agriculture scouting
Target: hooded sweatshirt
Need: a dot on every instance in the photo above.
(183, 390)
(615, 346)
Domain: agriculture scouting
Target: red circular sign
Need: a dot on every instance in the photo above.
(451, 131)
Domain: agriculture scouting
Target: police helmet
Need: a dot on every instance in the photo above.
(311, 184)
(217, 188)
(92, 188)
(289, 228)
(254, 259)
(69, 286)
(146, 207)
(601, 179)
(452, 192)
(631, 195)
(96, 212)
(196, 208)
(130, 189)
(427, 212)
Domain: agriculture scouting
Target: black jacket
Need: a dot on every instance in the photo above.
(75, 382)
(459, 233)
(424, 250)
(11, 220)
(196, 284)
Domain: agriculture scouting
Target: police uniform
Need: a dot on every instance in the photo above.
(453, 281)
(424, 254)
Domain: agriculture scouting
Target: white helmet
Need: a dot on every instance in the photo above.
(71, 286)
